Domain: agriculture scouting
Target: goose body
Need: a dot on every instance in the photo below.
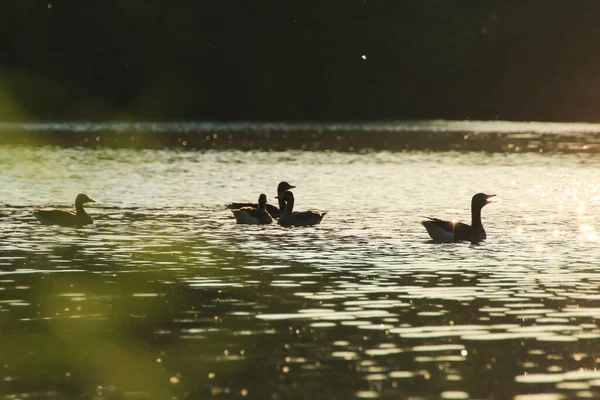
(274, 211)
(303, 218)
(253, 216)
(66, 217)
(449, 232)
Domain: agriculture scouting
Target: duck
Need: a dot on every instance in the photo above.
(273, 211)
(289, 217)
(451, 232)
(254, 216)
(66, 217)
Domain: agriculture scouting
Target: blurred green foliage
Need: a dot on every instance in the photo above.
(114, 328)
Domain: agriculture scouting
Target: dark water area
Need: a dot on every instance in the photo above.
(489, 136)
(165, 297)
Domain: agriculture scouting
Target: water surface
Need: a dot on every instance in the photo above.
(166, 297)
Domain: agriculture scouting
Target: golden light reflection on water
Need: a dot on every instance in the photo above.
(586, 228)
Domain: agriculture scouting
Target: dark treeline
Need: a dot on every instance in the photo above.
(280, 60)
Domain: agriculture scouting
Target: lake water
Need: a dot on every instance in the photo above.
(165, 297)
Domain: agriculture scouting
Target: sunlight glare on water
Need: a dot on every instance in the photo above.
(363, 305)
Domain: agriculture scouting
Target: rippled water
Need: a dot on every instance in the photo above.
(437, 135)
(166, 297)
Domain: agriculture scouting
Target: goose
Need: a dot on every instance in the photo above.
(254, 216)
(274, 211)
(66, 217)
(303, 218)
(448, 232)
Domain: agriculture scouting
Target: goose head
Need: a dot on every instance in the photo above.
(480, 200)
(262, 201)
(83, 198)
(284, 186)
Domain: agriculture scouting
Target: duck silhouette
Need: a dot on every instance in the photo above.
(274, 211)
(66, 217)
(254, 216)
(448, 232)
(289, 217)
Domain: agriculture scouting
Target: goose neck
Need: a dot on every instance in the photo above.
(476, 218)
(289, 206)
(79, 208)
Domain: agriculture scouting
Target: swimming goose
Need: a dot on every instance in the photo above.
(303, 218)
(447, 232)
(254, 216)
(66, 217)
(274, 211)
